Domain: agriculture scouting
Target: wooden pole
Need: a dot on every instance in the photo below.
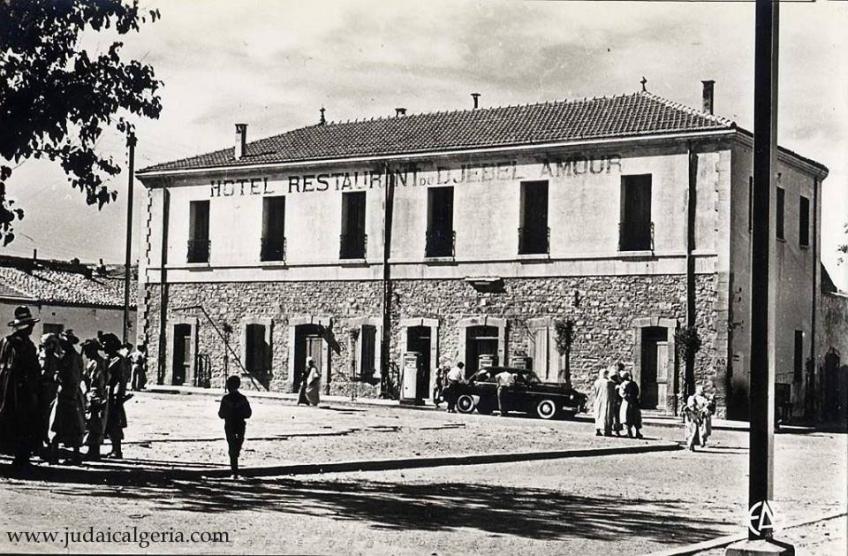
(131, 141)
(761, 452)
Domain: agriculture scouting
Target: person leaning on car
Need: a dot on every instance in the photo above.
(505, 380)
(456, 376)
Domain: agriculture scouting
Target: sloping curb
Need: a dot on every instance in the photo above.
(721, 542)
(135, 476)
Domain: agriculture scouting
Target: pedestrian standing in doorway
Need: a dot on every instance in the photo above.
(19, 382)
(603, 391)
(630, 414)
(506, 382)
(234, 410)
(97, 398)
(67, 423)
(455, 378)
(117, 370)
(312, 382)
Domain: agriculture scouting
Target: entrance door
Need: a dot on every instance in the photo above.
(307, 343)
(182, 354)
(479, 340)
(418, 340)
(654, 372)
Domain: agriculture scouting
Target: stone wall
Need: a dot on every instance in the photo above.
(603, 308)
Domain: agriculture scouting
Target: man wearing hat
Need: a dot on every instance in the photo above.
(117, 372)
(19, 373)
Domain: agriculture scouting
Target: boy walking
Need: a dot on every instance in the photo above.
(234, 410)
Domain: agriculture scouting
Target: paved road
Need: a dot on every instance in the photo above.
(613, 504)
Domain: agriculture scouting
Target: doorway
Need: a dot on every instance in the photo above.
(183, 354)
(653, 380)
(419, 339)
(308, 342)
(479, 340)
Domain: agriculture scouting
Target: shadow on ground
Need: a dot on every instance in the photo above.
(537, 513)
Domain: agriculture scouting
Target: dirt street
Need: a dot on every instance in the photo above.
(626, 504)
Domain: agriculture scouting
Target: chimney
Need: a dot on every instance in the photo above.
(322, 120)
(708, 95)
(400, 112)
(476, 97)
(241, 140)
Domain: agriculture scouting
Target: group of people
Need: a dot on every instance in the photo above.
(616, 403)
(55, 395)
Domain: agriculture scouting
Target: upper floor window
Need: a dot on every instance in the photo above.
(533, 234)
(636, 231)
(781, 206)
(273, 229)
(440, 234)
(353, 236)
(804, 222)
(198, 236)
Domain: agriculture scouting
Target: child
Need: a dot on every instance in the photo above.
(234, 410)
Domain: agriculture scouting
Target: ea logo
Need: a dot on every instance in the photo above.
(761, 519)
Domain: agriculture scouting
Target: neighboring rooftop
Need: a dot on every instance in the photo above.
(641, 113)
(64, 282)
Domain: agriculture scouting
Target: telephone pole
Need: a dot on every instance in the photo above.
(131, 141)
(760, 520)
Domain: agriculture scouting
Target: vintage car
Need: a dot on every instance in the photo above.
(546, 400)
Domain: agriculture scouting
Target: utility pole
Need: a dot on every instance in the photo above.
(761, 450)
(131, 141)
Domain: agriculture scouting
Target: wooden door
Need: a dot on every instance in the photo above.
(183, 354)
(662, 374)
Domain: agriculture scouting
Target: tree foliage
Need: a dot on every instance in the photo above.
(57, 98)
(843, 249)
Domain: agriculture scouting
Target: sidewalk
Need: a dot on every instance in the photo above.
(648, 420)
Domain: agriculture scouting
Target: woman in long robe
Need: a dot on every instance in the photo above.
(630, 415)
(603, 391)
(50, 354)
(313, 384)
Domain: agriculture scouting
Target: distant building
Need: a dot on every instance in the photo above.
(67, 294)
(468, 235)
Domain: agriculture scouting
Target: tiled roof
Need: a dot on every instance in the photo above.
(47, 285)
(636, 114)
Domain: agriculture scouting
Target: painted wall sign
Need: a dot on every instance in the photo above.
(413, 175)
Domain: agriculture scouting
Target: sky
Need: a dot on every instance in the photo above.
(273, 64)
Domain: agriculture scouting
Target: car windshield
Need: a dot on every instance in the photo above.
(529, 377)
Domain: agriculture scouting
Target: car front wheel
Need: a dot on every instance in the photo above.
(546, 409)
(465, 403)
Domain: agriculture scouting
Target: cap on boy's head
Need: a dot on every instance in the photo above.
(233, 382)
(460, 364)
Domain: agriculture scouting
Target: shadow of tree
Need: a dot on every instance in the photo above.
(536, 513)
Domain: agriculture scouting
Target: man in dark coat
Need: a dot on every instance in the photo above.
(234, 410)
(19, 374)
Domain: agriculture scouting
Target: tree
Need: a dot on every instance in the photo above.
(564, 340)
(844, 247)
(57, 98)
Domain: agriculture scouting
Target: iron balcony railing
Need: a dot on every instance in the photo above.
(198, 251)
(440, 243)
(352, 246)
(534, 240)
(636, 236)
(273, 249)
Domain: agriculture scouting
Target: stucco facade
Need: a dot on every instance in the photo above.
(487, 295)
